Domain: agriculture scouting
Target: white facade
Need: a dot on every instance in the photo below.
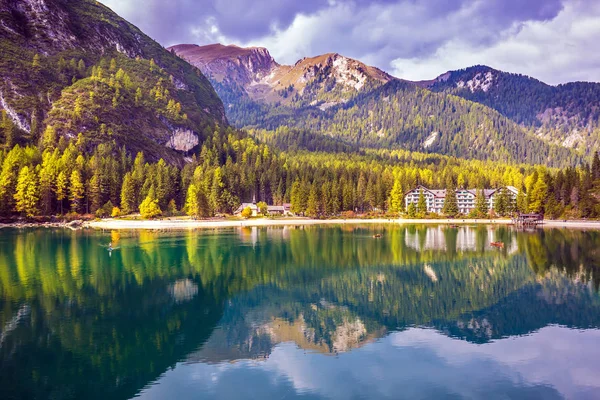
(465, 198)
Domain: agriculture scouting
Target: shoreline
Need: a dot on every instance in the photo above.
(117, 224)
(188, 224)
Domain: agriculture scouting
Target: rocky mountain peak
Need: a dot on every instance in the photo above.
(234, 63)
(262, 78)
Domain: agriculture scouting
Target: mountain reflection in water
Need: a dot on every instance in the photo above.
(297, 312)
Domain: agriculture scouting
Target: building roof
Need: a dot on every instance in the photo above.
(439, 193)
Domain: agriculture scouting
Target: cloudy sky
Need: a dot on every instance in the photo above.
(553, 40)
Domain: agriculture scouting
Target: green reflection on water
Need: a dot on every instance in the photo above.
(78, 321)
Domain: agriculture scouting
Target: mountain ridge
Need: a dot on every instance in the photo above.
(255, 72)
(334, 95)
(567, 114)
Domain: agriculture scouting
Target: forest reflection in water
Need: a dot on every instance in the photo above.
(69, 308)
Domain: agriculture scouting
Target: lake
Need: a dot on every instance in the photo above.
(424, 312)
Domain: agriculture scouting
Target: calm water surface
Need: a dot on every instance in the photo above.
(307, 312)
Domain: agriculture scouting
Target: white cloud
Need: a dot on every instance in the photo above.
(557, 51)
(552, 40)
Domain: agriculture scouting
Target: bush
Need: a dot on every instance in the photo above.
(263, 208)
(348, 214)
(115, 212)
(247, 212)
(149, 208)
(105, 211)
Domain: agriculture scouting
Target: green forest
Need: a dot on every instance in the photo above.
(61, 176)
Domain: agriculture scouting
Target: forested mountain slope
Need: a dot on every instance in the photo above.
(567, 114)
(362, 106)
(71, 67)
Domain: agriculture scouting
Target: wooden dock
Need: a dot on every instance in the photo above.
(532, 219)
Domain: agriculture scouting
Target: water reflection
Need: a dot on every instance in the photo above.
(77, 323)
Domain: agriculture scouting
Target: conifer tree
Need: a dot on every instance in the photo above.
(36, 61)
(8, 178)
(411, 210)
(521, 203)
(204, 208)
(81, 68)
(298, 198)
(128, 203)
(8, 129)
(396, 197)
(49, 137)
(596, 167)
(538, 196)
(76, 191)
(501, 205)
(312, 205)
(61, 189)
(26, 196)
(450, 208)
(481, 205)
(216, 192)
(192, 206)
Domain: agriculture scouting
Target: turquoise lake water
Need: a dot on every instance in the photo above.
(424, 312)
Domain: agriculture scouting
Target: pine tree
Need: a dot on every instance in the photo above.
(411, 210)
(396, 197)
(61, 189)
(298, 198)
(81, 68)
(49, 138)
(204, 208)
(450, 204)
(501, 202)
(26, 196)
(79, 105)
(216, 192)
(128, 203)
(312, 206)
(7, 129)
(36, 62)
(538, 196)
(76, 191)
(8, 178)
(481, 205)
(521, 203)
(138, 96)
(596, 167)
(192, 206)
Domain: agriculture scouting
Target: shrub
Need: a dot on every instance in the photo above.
(247, 212)
(150, 209)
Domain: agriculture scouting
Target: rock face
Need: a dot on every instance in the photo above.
(321, 81)
(183, 140)
(232, 63)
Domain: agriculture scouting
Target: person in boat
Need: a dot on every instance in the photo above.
(110, 248)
